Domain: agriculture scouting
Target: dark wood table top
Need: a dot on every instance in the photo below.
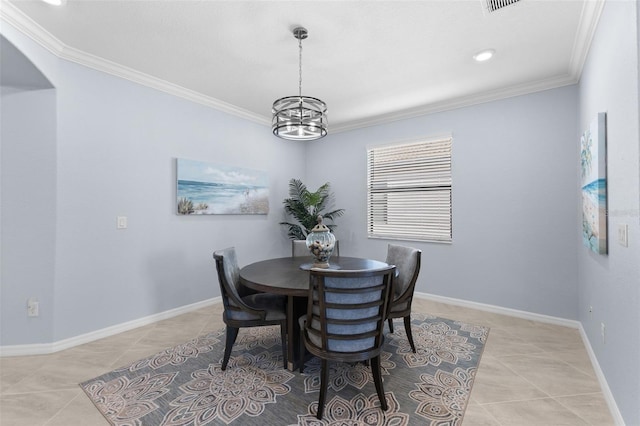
(290, 275)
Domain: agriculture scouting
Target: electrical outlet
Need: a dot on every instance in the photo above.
(602, 329)
(33, 307)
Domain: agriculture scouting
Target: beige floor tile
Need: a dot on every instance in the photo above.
(504, 343)
(440, 309)
(551, 375)
(466, 315)
(192, 325)
(523, 362)
(578, 358)
(165, 338)
(130, 357)
(123, 340)
(32, 409)
(536, 412)
(513, 324)
(81, 412)
(496, 383)
(553, 338)
(14, 369)
(64, 371)
(476, 415)
(592, 408)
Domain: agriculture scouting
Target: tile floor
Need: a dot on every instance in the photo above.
(531, 373)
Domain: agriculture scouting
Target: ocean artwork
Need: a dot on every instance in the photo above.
(205, 188)
(593, 165)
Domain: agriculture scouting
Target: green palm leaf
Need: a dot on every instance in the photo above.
(305, 206)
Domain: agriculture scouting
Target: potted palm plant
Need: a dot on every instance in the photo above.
(305, 207)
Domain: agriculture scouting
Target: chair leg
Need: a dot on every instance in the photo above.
(407, 328)
(324, 382)
(390, 325)
(301, 350)
(283, 337)
(232, 334)
(377, 380)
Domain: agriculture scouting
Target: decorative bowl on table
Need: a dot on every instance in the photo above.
(320, 242)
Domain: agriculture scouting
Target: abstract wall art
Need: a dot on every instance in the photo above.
(205, 188)
(593, 165)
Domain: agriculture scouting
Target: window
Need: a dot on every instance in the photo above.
(409, 191)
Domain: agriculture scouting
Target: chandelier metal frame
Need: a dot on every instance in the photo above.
(300, 118)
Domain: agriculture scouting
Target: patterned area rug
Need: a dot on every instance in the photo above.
(184, 385)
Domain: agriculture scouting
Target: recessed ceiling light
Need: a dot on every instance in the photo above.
(55, 2)
(485, 55)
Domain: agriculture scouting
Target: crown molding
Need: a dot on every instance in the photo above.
(135, 76)
(17, 19)
(590, 16)
(26, 25)
(465, 101)
(589, 19)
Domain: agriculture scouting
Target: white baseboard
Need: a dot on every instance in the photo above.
(606, 391)
(604, 386)
(500, 310)
(48, 348)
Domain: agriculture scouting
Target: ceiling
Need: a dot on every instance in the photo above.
(370, 61)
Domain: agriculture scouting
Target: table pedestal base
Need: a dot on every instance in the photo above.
(296, 307)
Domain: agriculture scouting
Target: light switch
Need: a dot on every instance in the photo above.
(623, 234)
(121, 222)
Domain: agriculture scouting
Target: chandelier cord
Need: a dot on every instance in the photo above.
(300, 67)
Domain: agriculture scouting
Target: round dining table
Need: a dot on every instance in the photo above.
(290, 276)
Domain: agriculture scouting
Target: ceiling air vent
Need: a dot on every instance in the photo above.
(493, 5)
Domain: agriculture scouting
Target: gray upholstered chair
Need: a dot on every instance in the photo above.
(299, 248)
(407, 262)
(345, 321)
(242, 308)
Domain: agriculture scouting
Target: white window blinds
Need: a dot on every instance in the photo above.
(409, 191)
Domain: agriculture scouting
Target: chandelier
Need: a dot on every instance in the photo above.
(299, 118)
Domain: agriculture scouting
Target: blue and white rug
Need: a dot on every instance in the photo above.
(184, 385)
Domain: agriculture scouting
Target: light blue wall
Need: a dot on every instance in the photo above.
(611, 283)
(28, 170)
(115, 151)
(514, 200)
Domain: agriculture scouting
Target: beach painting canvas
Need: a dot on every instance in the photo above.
(205, 188)
(593, 164)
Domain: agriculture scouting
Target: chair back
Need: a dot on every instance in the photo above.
(346, 312)
(299, 248)
(407, 262)
(231, 290)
